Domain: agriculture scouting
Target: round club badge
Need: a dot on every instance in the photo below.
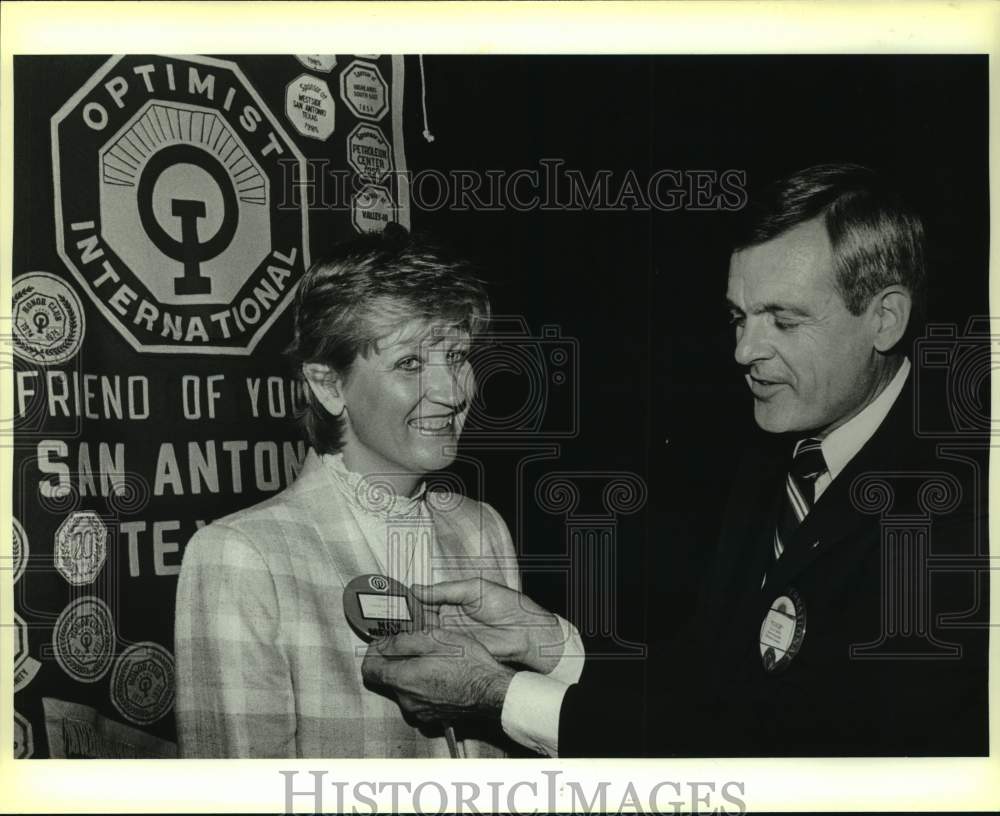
(309, 106)
(318, 62)
(142, 683)
(782, 631)
(369, 153)
(364, 90)
(24, 741)
(81, 544)
(21, 549)
(372, 209)
(84, 639)
(48, 322)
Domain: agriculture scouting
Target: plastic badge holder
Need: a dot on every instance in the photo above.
(377, 606)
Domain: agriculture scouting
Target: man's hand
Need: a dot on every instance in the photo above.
(509, 624)
(438, 675)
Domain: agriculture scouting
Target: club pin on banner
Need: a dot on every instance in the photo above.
(153, 274)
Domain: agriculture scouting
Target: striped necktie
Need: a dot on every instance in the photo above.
(800, 485)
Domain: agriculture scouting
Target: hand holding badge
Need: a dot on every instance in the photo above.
(377, 606)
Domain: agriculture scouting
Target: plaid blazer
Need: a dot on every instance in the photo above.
(267, 666)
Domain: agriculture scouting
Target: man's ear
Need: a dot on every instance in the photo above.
(326, 385)
(891, 312)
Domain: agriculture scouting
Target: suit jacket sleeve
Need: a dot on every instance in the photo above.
(234, 689)
(603, 714)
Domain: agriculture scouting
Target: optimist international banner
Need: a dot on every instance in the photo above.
(165, 209)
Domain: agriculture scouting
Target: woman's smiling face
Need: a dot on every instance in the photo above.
(406, 402)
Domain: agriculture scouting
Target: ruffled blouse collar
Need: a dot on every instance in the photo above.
(370, 494)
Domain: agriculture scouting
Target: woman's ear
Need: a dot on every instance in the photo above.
(326, 385)
(892, 315)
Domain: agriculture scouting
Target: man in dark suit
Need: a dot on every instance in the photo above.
(844, 611)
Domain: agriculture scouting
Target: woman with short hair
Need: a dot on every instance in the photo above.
(267, 664)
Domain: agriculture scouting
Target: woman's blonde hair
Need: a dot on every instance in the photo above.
(365, 290)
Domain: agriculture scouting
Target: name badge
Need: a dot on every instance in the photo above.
(376, 606)
(782, 631)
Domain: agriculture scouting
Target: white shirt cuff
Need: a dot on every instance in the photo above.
(530, 714)
(570, 665)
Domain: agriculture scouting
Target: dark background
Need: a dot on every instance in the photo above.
(643, 291)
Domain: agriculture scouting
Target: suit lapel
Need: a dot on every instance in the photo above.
(341, 537)
(829, 523)
(748, 533)
(835, 518)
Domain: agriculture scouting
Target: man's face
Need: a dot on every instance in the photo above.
(810, 364)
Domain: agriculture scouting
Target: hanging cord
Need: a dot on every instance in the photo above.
(423, 99)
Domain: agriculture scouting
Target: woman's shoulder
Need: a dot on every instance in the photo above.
(295, 504)
(267, 527)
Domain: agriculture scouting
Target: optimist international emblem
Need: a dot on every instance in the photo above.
(171, 176)
(142, 683)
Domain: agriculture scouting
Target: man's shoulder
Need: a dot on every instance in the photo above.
(906, 444)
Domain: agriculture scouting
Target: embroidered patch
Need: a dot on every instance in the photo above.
(142, 683)
(84, 639)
